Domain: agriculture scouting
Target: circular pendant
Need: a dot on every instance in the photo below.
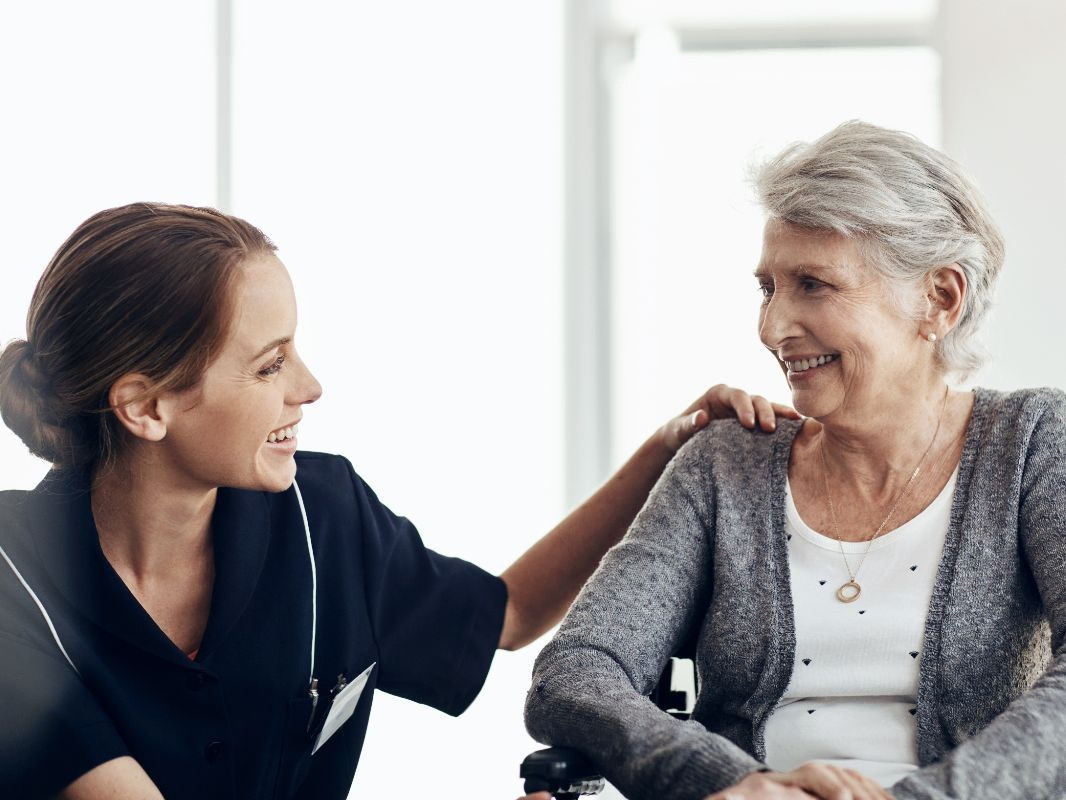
(849, 592)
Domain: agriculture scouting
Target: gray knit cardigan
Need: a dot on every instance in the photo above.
(708, 549)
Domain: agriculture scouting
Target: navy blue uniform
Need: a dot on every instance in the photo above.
(233, 723)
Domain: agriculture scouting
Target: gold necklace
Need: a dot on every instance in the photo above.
(850, 590)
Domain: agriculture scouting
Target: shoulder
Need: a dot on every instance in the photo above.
(12, 508)
(1026, 403)
(317, 468)
(331, 479)
(727, 443)
(19, 562)
(1021, 417)
(333, 494)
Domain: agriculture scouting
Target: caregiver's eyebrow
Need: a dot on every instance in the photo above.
(271, 346)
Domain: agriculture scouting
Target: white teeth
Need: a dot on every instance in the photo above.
(805, 364)
(283, 434)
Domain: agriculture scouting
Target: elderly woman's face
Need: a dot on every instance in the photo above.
(827, 317)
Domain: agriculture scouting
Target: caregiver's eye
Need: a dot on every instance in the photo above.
(274, 368)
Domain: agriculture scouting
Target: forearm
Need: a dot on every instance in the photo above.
(1019, 754)
(590, 682)
(118, 779)
(583, 698)
(544, 581)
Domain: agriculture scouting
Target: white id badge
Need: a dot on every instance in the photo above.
(343, 707)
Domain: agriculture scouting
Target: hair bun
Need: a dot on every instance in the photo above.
(28, 404)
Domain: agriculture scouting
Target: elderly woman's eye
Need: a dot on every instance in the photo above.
(766, 290)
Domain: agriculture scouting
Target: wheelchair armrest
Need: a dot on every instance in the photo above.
(562, 771)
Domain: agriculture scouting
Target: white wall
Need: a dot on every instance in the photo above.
(1004, 96)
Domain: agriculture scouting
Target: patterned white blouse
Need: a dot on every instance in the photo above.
(851, 699)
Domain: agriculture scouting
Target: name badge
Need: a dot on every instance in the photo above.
(343, 707)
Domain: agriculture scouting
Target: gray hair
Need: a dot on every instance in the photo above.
(911, 208)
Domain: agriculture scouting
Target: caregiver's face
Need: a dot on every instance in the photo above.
(237, 427)
(828, 319)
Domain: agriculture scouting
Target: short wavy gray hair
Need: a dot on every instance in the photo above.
(911, 207)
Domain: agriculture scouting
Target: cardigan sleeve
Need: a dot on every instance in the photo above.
(590, 683)
(1020, 754)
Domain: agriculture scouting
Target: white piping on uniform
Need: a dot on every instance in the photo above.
(314, 590)
(314, 577)
(41, 607)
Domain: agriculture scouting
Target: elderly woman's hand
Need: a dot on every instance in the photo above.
(722, 402)
(824, 781)
(758, 786)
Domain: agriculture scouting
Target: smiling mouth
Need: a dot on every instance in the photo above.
(804, 364)
(283, 434)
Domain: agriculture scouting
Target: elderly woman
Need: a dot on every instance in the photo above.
(880, 589)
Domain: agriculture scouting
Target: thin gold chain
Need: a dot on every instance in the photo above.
(895, 505)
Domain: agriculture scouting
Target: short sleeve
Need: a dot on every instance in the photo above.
(437, 619)
(53, 729)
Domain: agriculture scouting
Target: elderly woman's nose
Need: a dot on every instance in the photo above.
(776, 321)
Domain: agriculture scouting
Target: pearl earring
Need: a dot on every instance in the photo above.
(931, 337)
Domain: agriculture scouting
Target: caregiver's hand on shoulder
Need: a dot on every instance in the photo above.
(723, 402)
(810, 780)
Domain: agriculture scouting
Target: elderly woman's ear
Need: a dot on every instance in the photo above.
(945, 296)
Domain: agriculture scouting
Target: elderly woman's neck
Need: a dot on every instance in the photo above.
(891, 440)
(148, 522)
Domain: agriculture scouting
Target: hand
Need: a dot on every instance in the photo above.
(810, 780)
(831, 782)
(537, 796)
(759, 786)
(723, 402)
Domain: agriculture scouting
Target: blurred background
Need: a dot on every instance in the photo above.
(520, 230)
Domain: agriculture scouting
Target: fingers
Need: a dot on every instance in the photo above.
(861, 787)
(680, 429)
(764, 412)
(830, 782)
(874, 790)
(759, 786)
(537, 796)
(788, 412)
(724, 402)
(743, 407)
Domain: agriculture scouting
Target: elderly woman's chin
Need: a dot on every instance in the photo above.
(817, 389)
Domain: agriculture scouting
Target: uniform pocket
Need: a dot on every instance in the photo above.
(342, 707)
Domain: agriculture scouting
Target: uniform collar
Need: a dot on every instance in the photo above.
(67, 543)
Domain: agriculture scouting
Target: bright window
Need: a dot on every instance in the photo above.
(687, 231)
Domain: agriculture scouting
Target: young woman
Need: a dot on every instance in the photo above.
(190, 607)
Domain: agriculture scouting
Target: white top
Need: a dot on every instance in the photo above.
(851, 698)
